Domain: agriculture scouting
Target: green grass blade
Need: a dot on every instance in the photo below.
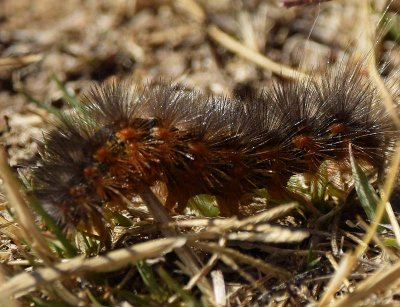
(189, 300)
(70, 98)
(70, 251)
(366, 193)
(204, 204)
(146, 272)
(42, 105)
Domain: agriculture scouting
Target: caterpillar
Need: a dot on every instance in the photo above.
(124, 137)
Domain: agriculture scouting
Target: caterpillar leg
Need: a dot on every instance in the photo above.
(176, 203)
(228, 206)
(303, 200)
(170, 202)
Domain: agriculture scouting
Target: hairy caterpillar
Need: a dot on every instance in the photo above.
(124, 137)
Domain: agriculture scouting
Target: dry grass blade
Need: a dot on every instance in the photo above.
(251, 222)
(270, 234)
(173, 34)
(205, 222)
(378, 282)
(112, 261)
(251, 229)
(346, 265)
(23, 213)
(393, 222)
(334, 264)
(253, 56)
(6, 301)
(193, 8)
(219, 287)
(20, 60)
(222, 224)
(261, 265)
(267, 216)
(204, 271)
(10, 230)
